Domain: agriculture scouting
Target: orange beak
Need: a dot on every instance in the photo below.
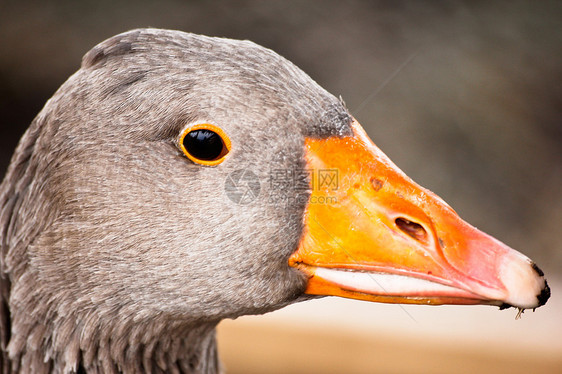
(371, 233)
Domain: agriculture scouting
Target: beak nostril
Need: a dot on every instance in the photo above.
(413, 229)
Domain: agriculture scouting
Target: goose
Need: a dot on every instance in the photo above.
(176, 180)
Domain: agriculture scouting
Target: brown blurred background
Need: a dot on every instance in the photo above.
(465, 96)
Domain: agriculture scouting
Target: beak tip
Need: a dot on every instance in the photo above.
(525, 283)
(544, 295)
(537, 269)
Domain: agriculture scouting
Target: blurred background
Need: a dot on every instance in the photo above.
(464, 96)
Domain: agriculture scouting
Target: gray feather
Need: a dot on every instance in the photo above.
(118, 254)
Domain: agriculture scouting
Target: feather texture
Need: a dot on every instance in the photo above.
(118, 254)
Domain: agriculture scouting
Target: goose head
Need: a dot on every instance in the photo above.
(176, 180)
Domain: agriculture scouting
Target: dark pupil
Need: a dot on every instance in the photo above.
(203, 144)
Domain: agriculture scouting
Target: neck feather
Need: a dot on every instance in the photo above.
(86, 345)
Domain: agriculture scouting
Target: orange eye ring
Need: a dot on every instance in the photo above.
(205, 144)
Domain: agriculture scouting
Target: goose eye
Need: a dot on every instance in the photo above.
(205, 144)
